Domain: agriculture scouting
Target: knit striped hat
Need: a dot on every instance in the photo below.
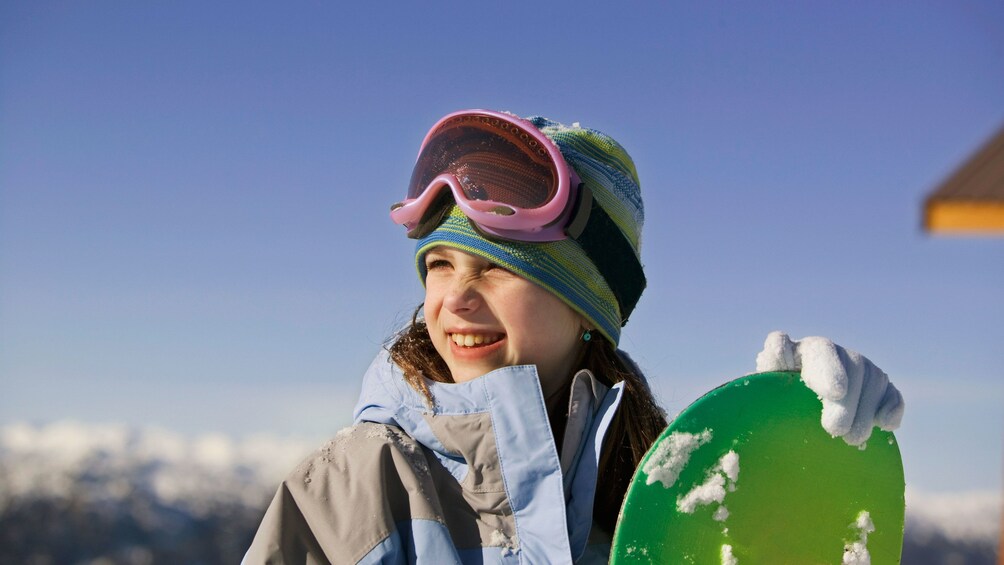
(564, 267)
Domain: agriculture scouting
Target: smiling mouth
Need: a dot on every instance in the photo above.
(474, 340)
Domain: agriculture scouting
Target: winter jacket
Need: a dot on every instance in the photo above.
(474, 479)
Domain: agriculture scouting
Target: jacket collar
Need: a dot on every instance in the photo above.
(553, 502)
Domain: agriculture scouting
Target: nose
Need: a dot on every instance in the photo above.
(462, 296)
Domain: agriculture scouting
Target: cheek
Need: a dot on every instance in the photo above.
(548, 325)
(550, 340)
(433, 301)
(432, 308)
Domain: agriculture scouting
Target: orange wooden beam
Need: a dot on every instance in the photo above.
(964, 217)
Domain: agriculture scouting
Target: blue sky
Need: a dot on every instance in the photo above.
(193, 196)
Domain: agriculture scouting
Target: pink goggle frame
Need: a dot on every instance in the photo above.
(506, 176)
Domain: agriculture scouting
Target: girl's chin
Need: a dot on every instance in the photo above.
(462, 376)
(469, 363)
(467, 371)
(464, 371)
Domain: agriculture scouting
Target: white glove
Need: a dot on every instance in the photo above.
(856, 394)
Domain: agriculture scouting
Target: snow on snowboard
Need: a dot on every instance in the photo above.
(747, 475)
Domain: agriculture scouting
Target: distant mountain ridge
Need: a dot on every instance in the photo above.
(78, 493)
(72, 493)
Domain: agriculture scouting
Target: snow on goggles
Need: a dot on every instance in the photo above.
(507, 177)
(512, 183)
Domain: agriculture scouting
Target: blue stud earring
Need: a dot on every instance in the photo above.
(586, 335)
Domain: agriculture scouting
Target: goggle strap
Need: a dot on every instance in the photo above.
(581, 213)
(434, 215)
(614, 257)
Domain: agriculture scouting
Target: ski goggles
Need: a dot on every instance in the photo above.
(508, 178)
(512, 183)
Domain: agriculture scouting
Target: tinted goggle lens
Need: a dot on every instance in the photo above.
(492, 160)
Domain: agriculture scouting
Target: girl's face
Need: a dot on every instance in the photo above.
(482, 317)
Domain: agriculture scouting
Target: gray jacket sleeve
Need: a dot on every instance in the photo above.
(345, 500)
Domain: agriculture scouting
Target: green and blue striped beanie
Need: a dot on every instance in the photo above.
(563, 267)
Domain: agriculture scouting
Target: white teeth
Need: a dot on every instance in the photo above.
(470, 340)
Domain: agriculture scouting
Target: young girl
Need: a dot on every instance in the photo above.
(504, 425)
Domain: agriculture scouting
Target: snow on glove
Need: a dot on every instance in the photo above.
(856, 394)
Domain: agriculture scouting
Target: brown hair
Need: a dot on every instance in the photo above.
(635, 427)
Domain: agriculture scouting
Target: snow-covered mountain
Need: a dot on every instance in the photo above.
(84, 493)
(112, 461)
(75, 493)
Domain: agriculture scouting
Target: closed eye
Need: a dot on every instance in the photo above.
(499, 269)
(433, 264)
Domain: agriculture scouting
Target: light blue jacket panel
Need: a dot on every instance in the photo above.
(551, 497)
(475, 478)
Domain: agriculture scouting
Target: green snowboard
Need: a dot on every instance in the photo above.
(748, 475)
